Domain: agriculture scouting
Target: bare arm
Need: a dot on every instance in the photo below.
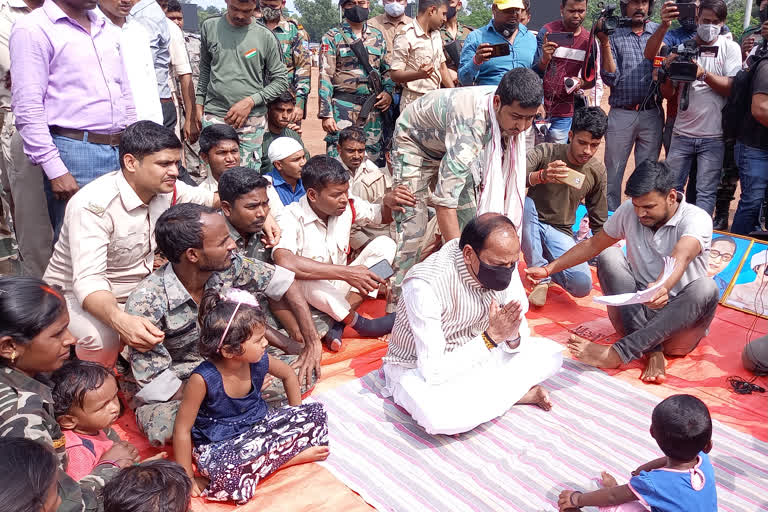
(194, 393)
(291, 384)
(601, 498)
(669, 12)
(305, 268)
(720, 84)
(579, 253)
(607, 63)
(448, 222)
(445, 76)
(760, 108)
(191, 130)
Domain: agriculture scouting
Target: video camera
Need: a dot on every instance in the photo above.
(610, 22)
(682, 68)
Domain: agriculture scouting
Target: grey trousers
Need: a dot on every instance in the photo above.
(676, 328)
(627, 128)
(755, 356)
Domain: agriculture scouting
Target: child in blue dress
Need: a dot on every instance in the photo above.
(681, 481)
(223, 423)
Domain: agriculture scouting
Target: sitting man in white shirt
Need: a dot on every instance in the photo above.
(315, 245)
(461, 327)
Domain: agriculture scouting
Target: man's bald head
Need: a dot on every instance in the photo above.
(492, 238)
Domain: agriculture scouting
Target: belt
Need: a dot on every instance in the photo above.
(638, 108)
(105, 139)
(166, 100)
(357, 99)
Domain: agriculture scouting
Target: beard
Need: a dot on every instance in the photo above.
(269, 14)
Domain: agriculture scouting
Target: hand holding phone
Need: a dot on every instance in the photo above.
(560, 38)
(499, 50)
(383, 269)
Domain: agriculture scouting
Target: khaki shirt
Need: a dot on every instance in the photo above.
(304, 234)
(389, 28)
(10, 11)
(412, 49)
(106, 241)
(369, 183)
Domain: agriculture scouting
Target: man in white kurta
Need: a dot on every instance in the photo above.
(461, 328)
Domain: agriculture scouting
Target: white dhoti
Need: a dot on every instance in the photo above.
(484, 392)
(330, 297)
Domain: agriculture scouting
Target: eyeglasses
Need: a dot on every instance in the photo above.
(722, 255)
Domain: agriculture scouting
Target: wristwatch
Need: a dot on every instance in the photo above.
(703, 77)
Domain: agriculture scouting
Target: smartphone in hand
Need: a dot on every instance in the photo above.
(560, 38)
(499, 50)
(383, 269)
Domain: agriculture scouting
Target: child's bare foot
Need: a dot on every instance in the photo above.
(654, 371)
(537, 395)
(593, 354)
(312, 454)
(608, 480)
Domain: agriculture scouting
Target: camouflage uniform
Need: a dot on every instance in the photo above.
(26, 410)
(461, 34)
(164, 300)
(340, 71)
(294, 43)
(192, 151)
(256, 250)
(9, 250)
(436, 138)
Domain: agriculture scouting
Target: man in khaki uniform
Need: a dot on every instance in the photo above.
(106, 246)
(367, 182)
(391, 22)
(23, 199)
(417, 59)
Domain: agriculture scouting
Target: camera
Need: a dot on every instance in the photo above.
(682, 68)
(610, 21)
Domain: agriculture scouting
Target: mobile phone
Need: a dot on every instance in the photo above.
(575, 179)
(499, 50)
(560, 38)
(383, 269)
(686, 10)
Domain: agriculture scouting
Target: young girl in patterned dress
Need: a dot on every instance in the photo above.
(237, 440)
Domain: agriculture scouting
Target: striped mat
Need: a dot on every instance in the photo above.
(521, 461)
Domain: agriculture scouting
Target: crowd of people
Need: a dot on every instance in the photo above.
(172, 247)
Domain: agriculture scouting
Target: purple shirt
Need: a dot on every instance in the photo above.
(64, 76)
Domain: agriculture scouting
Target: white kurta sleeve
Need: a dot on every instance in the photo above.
(435, 364)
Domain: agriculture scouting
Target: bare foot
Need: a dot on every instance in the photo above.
(654, 371)
(593, 354)
(608, 480)
(312, 454)
(537, 395)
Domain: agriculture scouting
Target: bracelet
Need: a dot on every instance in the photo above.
(542, 176)
(546, 270)
(474, 60)
(489, 343)
(575, 493)
(704, 76)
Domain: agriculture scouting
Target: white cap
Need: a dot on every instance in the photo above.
(760, 258)
(283, 147)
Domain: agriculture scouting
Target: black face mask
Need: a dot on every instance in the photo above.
(494, 277)
(356, 14)
(451, 12)
(507, 29)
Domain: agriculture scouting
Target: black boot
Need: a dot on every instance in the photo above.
(720, 223)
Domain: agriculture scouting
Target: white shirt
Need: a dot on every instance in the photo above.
(137, 59)
(304, 234)
(424, 314)
(178, 48)
(703, 119)
(276, 207)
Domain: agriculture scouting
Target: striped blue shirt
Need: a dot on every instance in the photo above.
(631, 82)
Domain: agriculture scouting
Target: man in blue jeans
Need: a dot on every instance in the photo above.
(698, 132)
(550, 208)
(752, 155)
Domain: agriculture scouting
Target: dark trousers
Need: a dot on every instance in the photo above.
(676, 328)
(169, 114)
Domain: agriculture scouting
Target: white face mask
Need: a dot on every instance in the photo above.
(708, 33)
(394, 9)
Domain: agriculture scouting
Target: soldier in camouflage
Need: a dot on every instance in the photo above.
(453, 30)
(344, 85)
(169, 298)
(440, 137)
(294, 43)
(26, 404)
(192, 42)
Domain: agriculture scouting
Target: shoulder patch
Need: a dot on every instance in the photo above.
(95, 208)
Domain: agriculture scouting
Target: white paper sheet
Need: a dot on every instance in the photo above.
(641, 297)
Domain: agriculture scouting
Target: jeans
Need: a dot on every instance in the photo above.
(709, 166)
(541, 243)
(753, 175)
(85, 162)
(677, 327)
(558, 130)
(627, 128)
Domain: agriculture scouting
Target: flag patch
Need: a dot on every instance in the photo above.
(250, 53)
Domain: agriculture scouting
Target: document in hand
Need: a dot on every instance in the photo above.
(641, 297)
